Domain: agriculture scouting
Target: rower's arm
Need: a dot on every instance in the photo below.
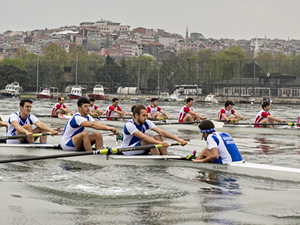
(120, 112)
(19, 128)
(238, 116)
(149, 115)
(148, 139)
(66, 110)
(276, 119)
(165, 114)
(224, 116)
(45, 127)
(168, 135)
(2, 124)
(99, 126)
(197, 115)
(100, 111)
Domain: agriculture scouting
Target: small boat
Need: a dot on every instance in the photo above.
(210, 98)
(98, 93)
(48, 93)
(135, 99)
(241, 168)
(174, 98)
(77, 92)
(11, 90)
(247, 99)
(266, 99)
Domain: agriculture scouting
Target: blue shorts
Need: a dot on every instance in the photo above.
(69, 146)
(218, 160)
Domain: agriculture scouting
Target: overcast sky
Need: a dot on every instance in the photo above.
(238, 19)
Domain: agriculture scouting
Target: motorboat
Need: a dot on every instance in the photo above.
(211, 98)
(11, 90)
(98, 93)
(77, 92)
(48, 93)
(267, 99)
(174, 98)
(247, 99)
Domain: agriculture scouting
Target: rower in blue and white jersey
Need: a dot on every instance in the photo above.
(21, 123)
(220, 146)
(74, 137)
(134, 134)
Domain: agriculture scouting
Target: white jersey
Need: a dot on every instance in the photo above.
(226, 112)
(73, 127)
(228, 152)
(152, 110)
(31, 119)
(129, 139)
(183, 112)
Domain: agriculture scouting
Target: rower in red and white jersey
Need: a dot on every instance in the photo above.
(228, 113)
(154, 111)
(264, 117)
(114, 110)
(93, 109)
(60, 108)
(187, 114)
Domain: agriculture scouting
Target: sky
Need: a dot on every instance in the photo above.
(237, 19)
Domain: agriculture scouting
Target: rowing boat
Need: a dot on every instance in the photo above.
(240, 168)
(220, 126)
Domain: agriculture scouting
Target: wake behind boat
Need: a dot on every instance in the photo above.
(241, 168)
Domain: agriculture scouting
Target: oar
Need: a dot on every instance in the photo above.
(23, 136)
(106, 151)
(171, 123)
(278, 124)
(46, 115)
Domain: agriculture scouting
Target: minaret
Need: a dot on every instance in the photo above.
(256, 49)
(265, 44)
(187, 34)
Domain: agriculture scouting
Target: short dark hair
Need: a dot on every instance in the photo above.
(22, 102)
(115, 99)
(59, 98)
(132, 108)
(138, 109)
(265, 104)
(91, 99)
(82, 101)
(205, 125)
(154, 99)
(189, 100)
(228, 102)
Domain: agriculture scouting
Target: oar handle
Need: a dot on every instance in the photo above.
(24, 136)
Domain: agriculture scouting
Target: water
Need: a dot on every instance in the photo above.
(66, 192)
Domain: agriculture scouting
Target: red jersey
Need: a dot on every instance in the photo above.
(56, 107)
(152, 110)
(260, 116)
(227, 113)
(183, 112)
(110, 111)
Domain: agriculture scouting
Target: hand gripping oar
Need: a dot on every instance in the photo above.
(24, 136)
(104, 151)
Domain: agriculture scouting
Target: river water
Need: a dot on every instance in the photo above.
(59, 191)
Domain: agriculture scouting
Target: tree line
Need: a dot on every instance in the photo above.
(187, 67)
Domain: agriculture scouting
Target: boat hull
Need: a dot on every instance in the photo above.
(9, 95)
(240, 168)
(72, 96)
(43, 96)
(98, 97)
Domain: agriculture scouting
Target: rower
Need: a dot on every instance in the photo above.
(114, 110)
(264, 117)
(228, 114)
(21, 123)
(60, 107)
(187, 114)
(220, 146)
(94, 109)
(74, 137)
(134, 134)
(154, 111)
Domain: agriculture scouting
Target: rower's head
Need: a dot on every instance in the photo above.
(154, 101)
(140, 113)
(206, 127)
(92, 101)
(115, 101)
(83, 106)
(265, 106)
(25, 106)
(61, 100)
(229, 104)
(189, 102)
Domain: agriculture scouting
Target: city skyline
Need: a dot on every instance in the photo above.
(215, 19)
